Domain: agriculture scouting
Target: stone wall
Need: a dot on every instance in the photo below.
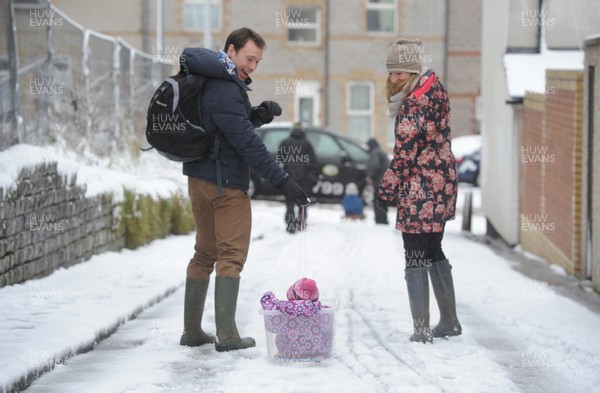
(46, 222)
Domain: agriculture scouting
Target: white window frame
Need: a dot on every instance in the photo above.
(202, 3)
(390, 132)
(382, 7)
(303, 26)
(362, 112)
(308, 89)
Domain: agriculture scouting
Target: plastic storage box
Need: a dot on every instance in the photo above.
(302, 339)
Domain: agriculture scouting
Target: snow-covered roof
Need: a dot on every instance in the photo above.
(591, 39)
(526, 72)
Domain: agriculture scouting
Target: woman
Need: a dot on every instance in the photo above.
(422, 178)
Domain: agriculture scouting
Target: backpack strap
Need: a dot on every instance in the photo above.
(215, 155)
(199, 82)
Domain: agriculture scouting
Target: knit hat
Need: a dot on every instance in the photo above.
(404, 55)
(303, 289)
(351, 189)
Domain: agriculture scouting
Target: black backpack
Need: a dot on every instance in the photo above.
(173, 124)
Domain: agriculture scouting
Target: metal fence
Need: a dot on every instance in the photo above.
(62, 82)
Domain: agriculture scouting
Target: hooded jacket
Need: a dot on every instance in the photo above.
(378, 161)
(225, 109)
(422, 174)
(299, 159)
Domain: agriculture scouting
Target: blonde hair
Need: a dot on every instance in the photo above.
(392, 89)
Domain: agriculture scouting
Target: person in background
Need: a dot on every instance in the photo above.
(422, 178)
(218, 187)
(378, 164)
(353, 205)
(298, 158)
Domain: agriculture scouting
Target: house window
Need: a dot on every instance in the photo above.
(381, 16)
(360, 110)
(193, 13)
(303, 25)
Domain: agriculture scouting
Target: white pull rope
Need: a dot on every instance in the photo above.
(303, 249)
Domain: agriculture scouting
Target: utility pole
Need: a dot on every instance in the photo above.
(159, 26)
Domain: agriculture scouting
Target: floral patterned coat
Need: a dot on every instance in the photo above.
(422, 174)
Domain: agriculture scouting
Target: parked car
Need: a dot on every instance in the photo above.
(341, 159)
(467, 151)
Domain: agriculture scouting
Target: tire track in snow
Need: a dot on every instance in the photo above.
(416, 370)
(366, 355)
(358, 367)
(374, 361)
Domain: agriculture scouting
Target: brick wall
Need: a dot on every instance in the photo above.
(563, 179)
(46, 222)
(551, 195)
(531, 175)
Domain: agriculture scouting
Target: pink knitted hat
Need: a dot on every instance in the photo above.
(303, 289)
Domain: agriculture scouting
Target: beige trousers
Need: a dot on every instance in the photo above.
(222, 230)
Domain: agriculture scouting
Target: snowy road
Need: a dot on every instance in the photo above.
(520, 335)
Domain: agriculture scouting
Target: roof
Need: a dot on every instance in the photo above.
(526, 72)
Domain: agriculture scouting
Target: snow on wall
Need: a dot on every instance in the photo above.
(46, 222)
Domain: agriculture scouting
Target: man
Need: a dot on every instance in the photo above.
(300, 161)
(378, 164)
(218, 187)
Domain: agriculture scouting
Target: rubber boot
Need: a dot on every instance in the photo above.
(443, 288)
(417, 283)
(226, 294)
(195, 295)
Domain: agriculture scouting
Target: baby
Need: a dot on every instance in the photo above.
(302, 330)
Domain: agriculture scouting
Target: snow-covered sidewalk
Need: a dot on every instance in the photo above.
(519, 334)
(47, 320)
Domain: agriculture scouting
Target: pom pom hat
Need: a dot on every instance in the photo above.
(303, 289)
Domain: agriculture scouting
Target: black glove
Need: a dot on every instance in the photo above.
(264, 113)
(292, 190)
(381, 204)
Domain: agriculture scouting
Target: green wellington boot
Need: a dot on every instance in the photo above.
(417, 284)
(443, 288)
(226, 294)
(195, 296)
